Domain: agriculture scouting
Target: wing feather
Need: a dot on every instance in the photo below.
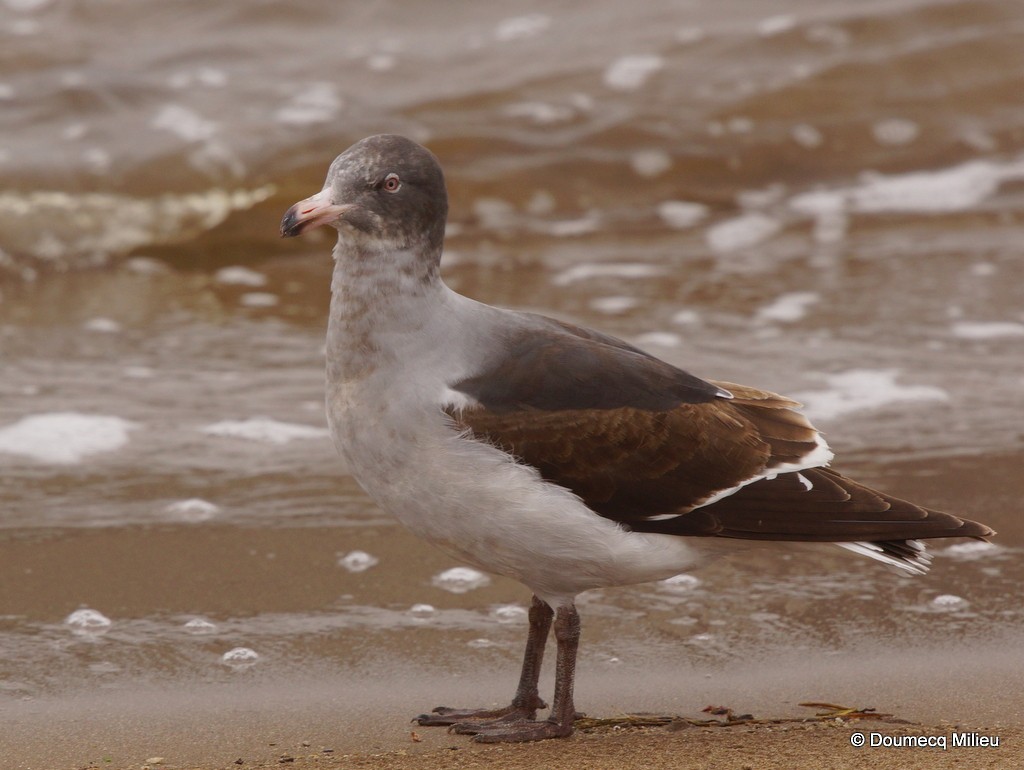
(659, 450)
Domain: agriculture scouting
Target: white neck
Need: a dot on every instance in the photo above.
(379, 300)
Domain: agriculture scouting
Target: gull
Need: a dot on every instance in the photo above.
(553, 454)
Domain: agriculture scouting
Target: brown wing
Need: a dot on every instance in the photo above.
(656, 471)
(632, 464)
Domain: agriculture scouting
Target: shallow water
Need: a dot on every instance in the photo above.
(821, 201)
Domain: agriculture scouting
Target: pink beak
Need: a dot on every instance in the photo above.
(312, 212)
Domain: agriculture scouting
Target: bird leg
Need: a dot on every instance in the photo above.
(527, 698)
(563, 713)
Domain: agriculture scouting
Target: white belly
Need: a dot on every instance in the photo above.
(476, 503)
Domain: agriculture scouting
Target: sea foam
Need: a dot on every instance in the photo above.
(64, 438)
(858, 390)
(264, 429)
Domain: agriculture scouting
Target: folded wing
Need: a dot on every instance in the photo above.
(659, 450)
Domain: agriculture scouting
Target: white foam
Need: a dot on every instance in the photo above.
(64, 437)
(788, 307)
(184, 123)
(631, 72)
(613, 305)
(740, 125)
(681, 214)
(819, 202)
(569, 228)
(895, 131)
(240, 657)
(987, 330)
(86, 621)
(519, 27)
(742, 232)
(686, 318)
(948, 602)
(210, 77)
(200, 626)
(650, 163)
(494, 213)
(583, 102)
(829, 209)
(146, 266)
(422, 611)
(972, 550)
(541, 113)
(679, 583)
(258, 299)
(102, 325)
(193, 509)
(358, 561)
(239, 276)
(859, 390)
(459, 580)
(264, 429)
(509, 613)
(57, 225)
(955, 189)
(659, 339)
(959, 188)
(806, 135)
(542, 203)
(775, 25)
(589, 271)
(318, 102)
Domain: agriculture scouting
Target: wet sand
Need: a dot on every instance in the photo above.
(339, 724)
(757, 748)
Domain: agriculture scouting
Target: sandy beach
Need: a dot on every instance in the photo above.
(823, 747)
(338, 719)
(784, 745)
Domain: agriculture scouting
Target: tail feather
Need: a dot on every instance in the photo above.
(821, 505)
(910, 556)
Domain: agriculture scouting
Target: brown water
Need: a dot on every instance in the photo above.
(820, 199)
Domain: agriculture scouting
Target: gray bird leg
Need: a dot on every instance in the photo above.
(527, 698)
(563, 711)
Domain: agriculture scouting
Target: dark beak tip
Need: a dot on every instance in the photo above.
(290, 225)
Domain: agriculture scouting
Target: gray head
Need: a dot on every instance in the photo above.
(383, 192)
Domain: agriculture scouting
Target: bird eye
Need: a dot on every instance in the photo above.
(392, 183)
